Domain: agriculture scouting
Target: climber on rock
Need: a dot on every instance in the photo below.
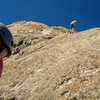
(6, 42)
(72, 26)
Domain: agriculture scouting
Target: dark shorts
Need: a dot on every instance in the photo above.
(72, 26)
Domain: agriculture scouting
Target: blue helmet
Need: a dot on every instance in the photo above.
(6, 37)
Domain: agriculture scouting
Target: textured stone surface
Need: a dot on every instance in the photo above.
(49, 63)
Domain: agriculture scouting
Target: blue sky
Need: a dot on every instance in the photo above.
(52, 12)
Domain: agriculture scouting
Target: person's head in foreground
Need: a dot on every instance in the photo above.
(6, 41)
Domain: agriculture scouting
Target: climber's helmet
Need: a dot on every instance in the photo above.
(7, 38)
(75, 21)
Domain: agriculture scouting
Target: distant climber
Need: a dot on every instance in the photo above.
(6, 42)
(72, 26)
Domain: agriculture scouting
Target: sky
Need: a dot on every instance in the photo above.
(52, 12)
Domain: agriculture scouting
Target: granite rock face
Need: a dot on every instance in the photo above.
(49, 63)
